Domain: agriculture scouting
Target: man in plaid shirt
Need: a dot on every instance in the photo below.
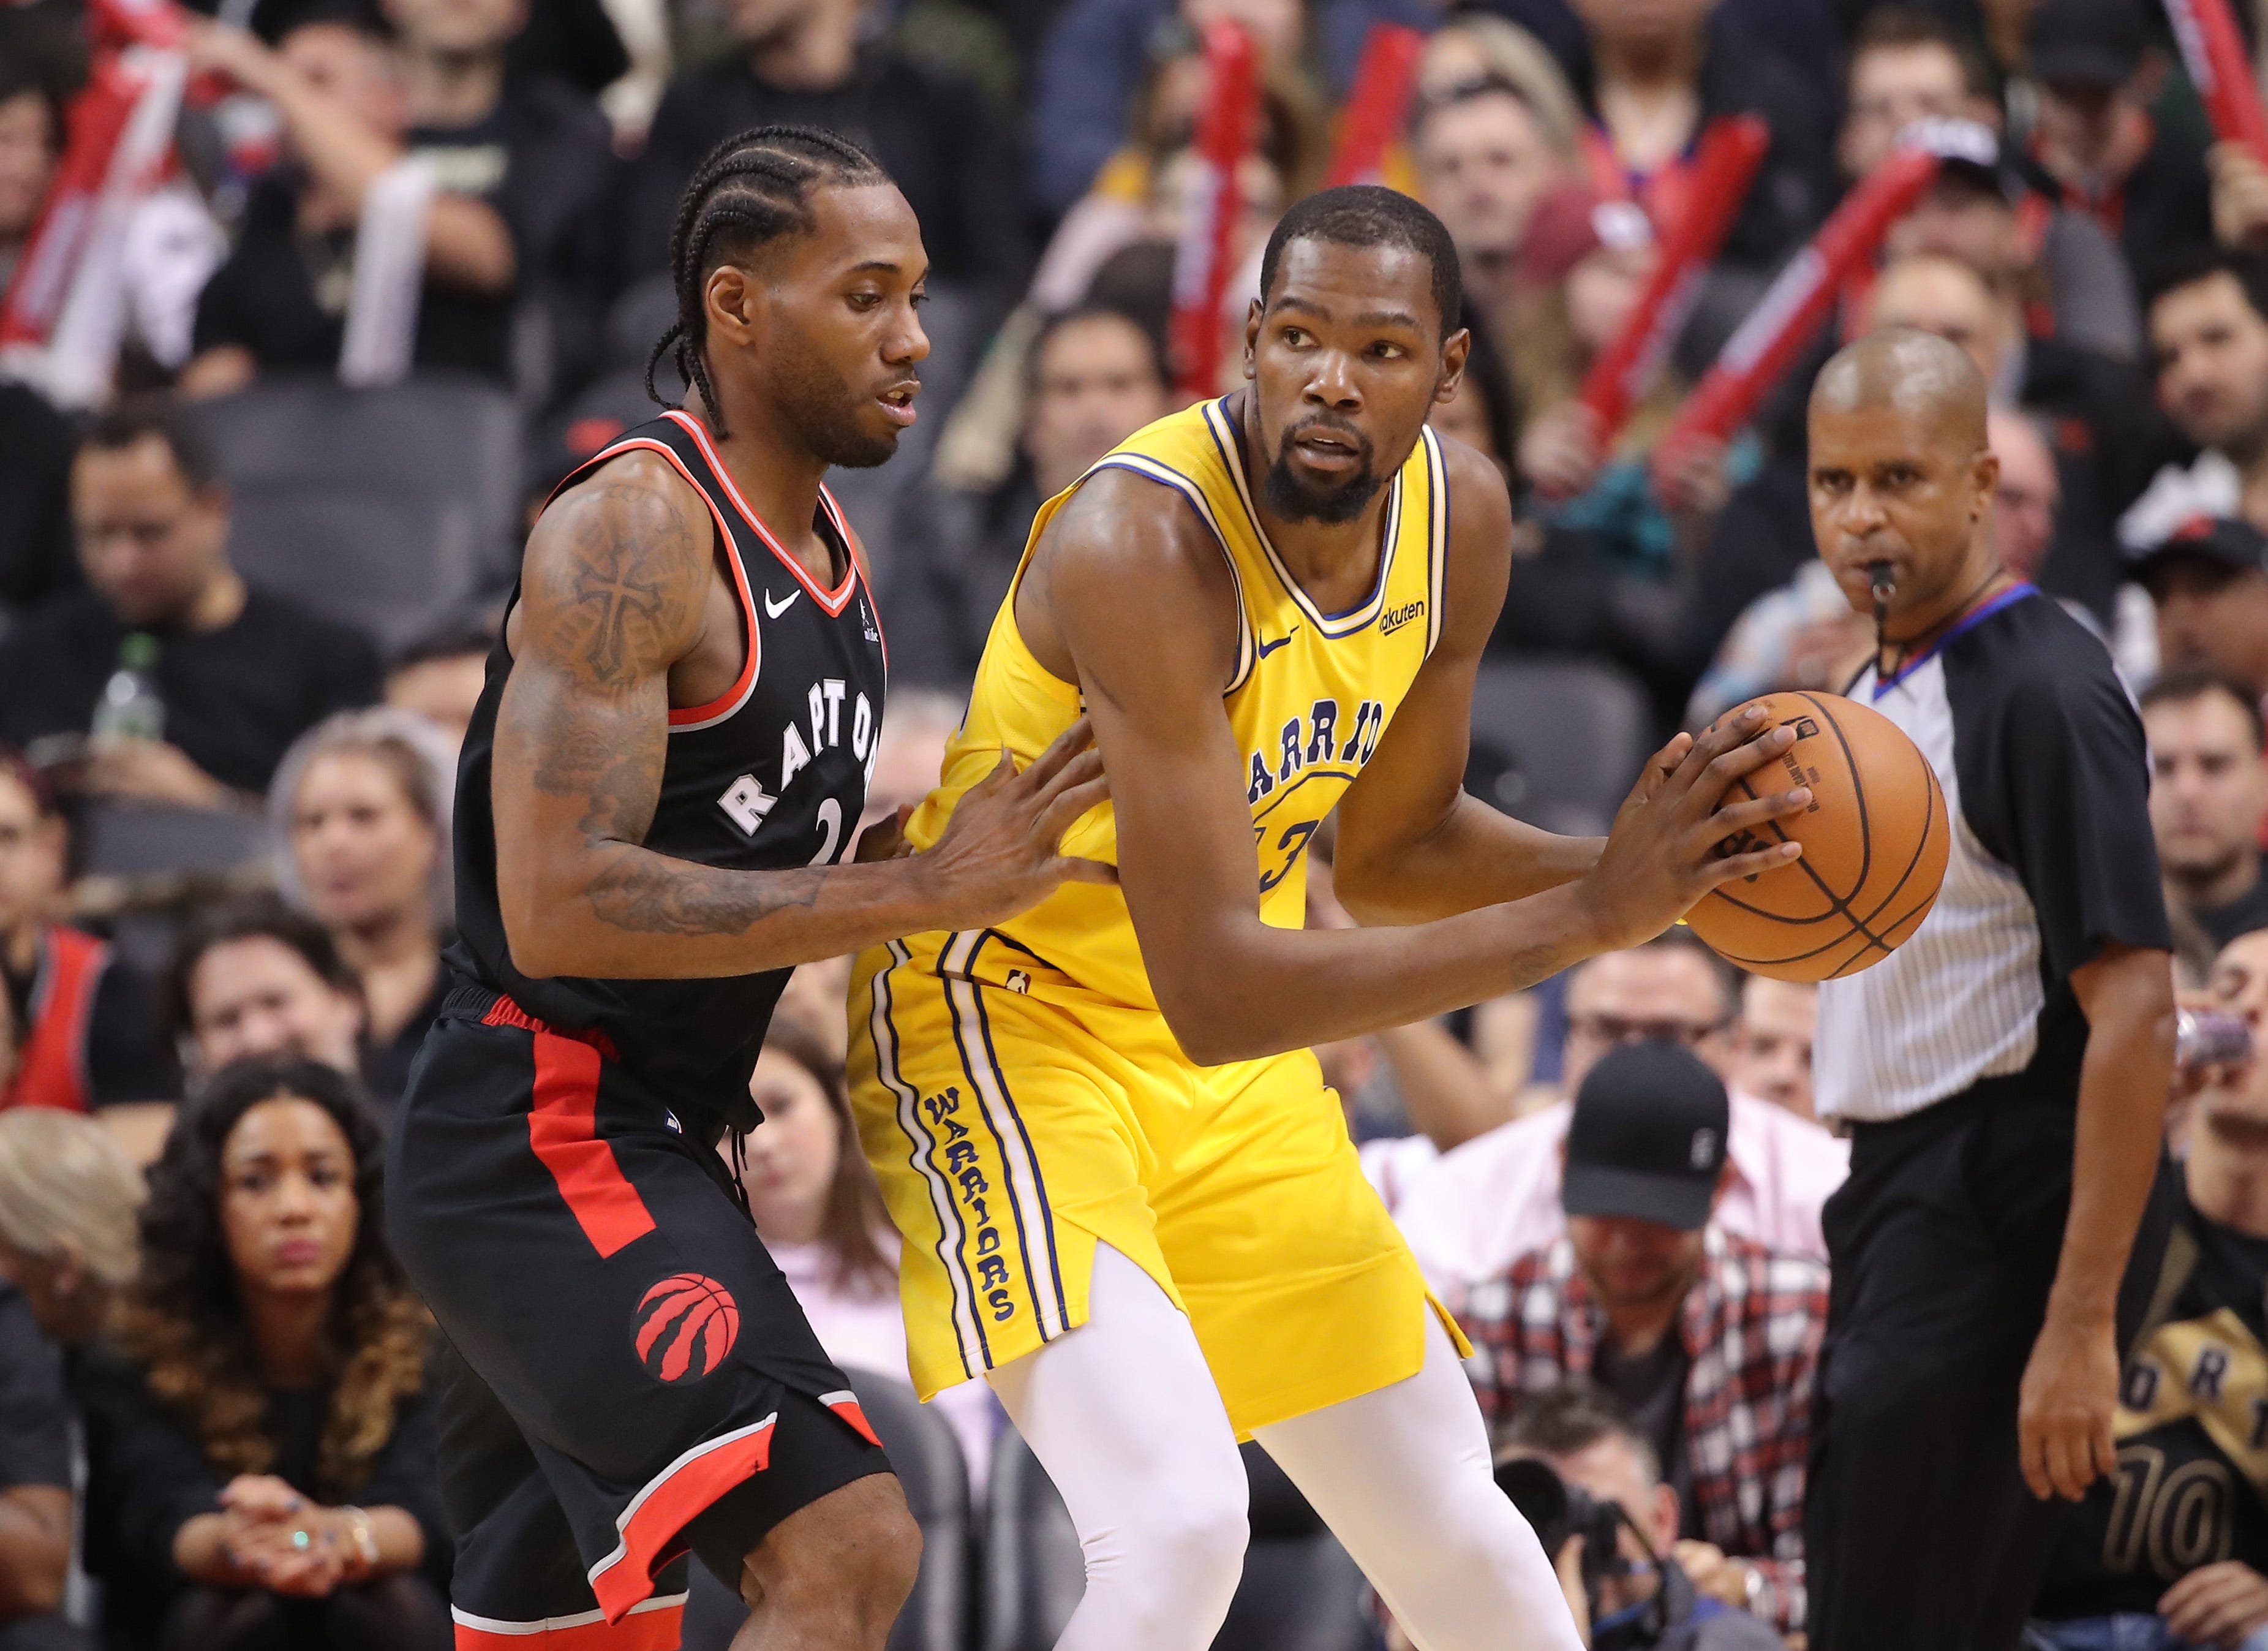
(1712, 1340)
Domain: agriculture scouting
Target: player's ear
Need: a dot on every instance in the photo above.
(730, 298)
(1455, 351)
(1252, 338)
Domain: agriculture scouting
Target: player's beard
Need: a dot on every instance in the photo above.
(1295, 499)
(826, 410)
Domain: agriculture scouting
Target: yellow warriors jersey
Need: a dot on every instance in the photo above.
(1310, 698)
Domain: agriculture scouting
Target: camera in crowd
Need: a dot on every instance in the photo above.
(1556, 1510)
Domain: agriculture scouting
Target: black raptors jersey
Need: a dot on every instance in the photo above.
(771, 776)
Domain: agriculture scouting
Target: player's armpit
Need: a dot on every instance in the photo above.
(1412, 845)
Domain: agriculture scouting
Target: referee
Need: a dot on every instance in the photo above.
(2002, 1075)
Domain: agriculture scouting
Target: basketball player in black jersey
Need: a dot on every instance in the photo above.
(674, 740)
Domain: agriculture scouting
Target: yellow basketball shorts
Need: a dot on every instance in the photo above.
(1015, 1122)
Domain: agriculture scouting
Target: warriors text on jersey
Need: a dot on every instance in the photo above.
(771, 774)
(1019, 1093)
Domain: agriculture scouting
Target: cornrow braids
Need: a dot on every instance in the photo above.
(749, 190)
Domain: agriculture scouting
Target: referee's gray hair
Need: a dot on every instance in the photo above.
(65, 1185)
(428, 753)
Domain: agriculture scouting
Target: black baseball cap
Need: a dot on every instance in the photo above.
(1967, 151)
(2226, 541)
(1647, 1138)
(2085, 42)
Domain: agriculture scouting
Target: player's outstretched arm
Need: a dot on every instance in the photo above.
(614, 593)
(1130, 591)
(1413, 843)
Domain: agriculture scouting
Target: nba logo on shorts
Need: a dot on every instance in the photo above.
(684, 1326)
(1019, 980)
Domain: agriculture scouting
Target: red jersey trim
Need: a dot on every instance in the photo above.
(835, 600)
(652, 1624)
(708, 716)
(669, 1502)
(53, 1069)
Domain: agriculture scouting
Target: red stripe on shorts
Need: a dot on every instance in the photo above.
(561, 1127)
(657, 1630)
(656, 1514)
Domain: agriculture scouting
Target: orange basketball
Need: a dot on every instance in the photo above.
(1875, 844)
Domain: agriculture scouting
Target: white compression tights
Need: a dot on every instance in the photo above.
(1124, 1415)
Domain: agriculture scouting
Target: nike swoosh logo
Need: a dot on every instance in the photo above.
(1266, 648)
(775, 610)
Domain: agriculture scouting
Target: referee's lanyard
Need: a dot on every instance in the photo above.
(1968, 619)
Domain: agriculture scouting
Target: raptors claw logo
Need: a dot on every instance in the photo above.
(684, 1326)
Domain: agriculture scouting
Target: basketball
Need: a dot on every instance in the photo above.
(1874, 839)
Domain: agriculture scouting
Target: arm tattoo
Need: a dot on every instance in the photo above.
(613, 611)
(650, 894)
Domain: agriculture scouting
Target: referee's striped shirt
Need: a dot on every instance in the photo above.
(2046, 776)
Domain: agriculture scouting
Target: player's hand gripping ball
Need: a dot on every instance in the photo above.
(1875, 844)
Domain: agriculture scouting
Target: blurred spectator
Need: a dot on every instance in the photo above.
(35, 1486)
(821, 1217)
(1096, 378)
(2210, 582)
(811, 62)
(31, 142)
(2095, 146)
(440, 678)
(251, 978)
(2209, 799)
(2107, 440)
(1657, 75)
(1646, 1602)
(1096, 56)
(1142, 191)
(1473, 45)
(1471, 1212)
(1711, 1340)
(2073, 284)
(35, 440)
(361, 806)
(2208, 322)
(1484, 159)
(280, 1484)
(1906, 65)
(527, 144)
(1584, 265)
(35, 538)
(1771, 1042)
(68, 1201)
(2171, 1549)
(238, 673)
(86, 1020)
(282, 300)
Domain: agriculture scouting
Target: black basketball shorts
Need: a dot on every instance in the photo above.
(630, 1378)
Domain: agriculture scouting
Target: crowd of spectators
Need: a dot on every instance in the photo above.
(215, 1422)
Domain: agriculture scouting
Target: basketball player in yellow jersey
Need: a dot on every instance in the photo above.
(1127, 1198)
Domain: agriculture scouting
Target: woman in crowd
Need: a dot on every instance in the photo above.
(821, 1214)
(361, 806)
(277, 1484)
